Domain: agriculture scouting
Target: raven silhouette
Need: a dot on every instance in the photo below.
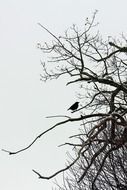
(74, 106)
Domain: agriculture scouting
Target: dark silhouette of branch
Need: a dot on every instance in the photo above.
(54, 126)
(100, 69)
(60, 171)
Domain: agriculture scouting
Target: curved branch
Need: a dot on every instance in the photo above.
(60, 171)
(40, 135)
(54, 126)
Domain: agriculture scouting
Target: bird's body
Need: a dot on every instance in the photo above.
(74, 106)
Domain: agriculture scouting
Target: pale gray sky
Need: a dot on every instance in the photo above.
(24, 100)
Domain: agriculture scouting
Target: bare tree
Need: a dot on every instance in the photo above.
(100, 68)
(99, 168)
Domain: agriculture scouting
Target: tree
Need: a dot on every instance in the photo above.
(100, 68)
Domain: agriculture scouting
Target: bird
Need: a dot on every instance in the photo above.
(74, 106)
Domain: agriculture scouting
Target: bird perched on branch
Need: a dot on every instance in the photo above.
(74, 106)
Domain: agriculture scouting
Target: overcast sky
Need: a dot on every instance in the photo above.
(24, 100)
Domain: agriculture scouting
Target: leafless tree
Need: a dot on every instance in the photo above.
(99, 168)
(100, 68)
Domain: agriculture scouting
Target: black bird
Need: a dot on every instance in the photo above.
(74, 106)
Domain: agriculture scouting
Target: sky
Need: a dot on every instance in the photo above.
(25, 101)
